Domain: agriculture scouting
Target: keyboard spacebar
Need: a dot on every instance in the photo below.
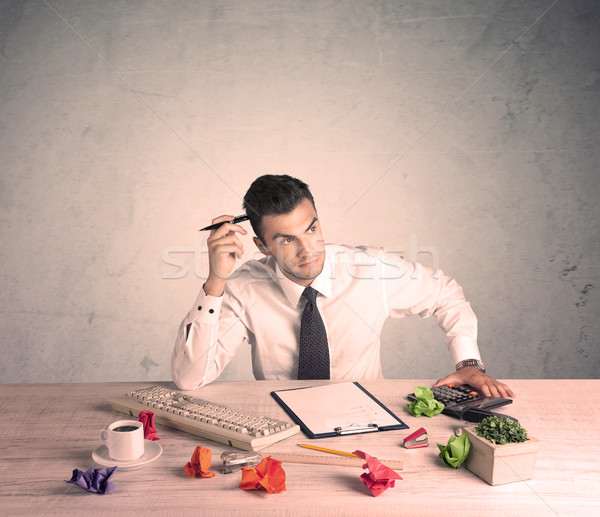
(245, 442)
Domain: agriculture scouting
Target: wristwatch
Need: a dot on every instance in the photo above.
(471, 362)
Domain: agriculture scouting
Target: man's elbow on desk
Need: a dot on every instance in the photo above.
(185, 386)
(186, 377)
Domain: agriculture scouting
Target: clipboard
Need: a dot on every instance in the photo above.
(337, 410)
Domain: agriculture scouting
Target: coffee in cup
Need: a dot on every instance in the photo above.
(124, 440)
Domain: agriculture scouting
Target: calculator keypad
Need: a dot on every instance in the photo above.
(454, 395)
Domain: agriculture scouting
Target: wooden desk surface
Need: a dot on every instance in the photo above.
(47, 430)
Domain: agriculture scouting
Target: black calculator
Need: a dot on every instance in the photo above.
(458, 399)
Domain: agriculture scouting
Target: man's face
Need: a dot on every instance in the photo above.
(295, 241)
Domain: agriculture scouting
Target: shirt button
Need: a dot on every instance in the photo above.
(211, 311)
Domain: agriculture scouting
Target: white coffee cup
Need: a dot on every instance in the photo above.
(124, 440)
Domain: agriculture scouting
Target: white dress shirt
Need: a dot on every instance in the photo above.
(359, 288)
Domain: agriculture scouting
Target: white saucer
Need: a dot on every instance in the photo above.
(152, 450)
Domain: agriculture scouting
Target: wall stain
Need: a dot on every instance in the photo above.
(147, 363)
(567, 270)
(583, 295)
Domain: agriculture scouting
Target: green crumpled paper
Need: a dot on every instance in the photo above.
(425, 403)
(456, 451)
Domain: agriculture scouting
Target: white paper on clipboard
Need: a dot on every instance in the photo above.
(345, 405)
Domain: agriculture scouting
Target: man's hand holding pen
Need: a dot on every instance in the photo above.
(224, 248)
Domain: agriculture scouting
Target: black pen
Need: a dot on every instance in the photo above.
(236, 219)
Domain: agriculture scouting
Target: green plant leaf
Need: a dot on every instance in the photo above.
(501, 430)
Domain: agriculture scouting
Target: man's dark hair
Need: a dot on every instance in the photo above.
(273, 195)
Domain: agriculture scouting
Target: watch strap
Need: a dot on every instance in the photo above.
(471, 362)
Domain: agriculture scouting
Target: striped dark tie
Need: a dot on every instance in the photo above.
(313, 360)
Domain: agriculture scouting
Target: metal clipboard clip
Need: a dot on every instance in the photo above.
(356, 428)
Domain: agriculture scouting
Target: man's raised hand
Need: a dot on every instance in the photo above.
(224, 248)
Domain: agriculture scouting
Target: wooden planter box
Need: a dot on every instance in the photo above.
(500, 464)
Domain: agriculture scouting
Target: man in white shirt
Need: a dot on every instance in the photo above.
(261, 304)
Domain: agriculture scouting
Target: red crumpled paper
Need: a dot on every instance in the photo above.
(268, 474)
(200, 463)
(379, 478)
(147, 419)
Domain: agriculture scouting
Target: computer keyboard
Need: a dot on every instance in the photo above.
(204, 418)
(457, 399)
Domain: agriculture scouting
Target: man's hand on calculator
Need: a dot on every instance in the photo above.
(476, 378)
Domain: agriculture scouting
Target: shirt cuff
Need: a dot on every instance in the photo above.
(207, 308)
(462, 348)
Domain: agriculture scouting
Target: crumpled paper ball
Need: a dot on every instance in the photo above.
(425, 403)
(268, 474)
(146, 417)
(200, 463)
(380, 477)
(94, 480)
(456, 451)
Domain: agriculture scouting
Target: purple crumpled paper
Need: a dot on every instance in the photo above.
(94, 480)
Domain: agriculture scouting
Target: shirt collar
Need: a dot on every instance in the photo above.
(293, 291)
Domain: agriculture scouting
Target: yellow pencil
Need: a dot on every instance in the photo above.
(331, 451)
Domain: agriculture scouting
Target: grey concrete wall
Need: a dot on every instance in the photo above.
(458, 132)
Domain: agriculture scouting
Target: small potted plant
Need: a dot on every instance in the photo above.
(501, 452)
